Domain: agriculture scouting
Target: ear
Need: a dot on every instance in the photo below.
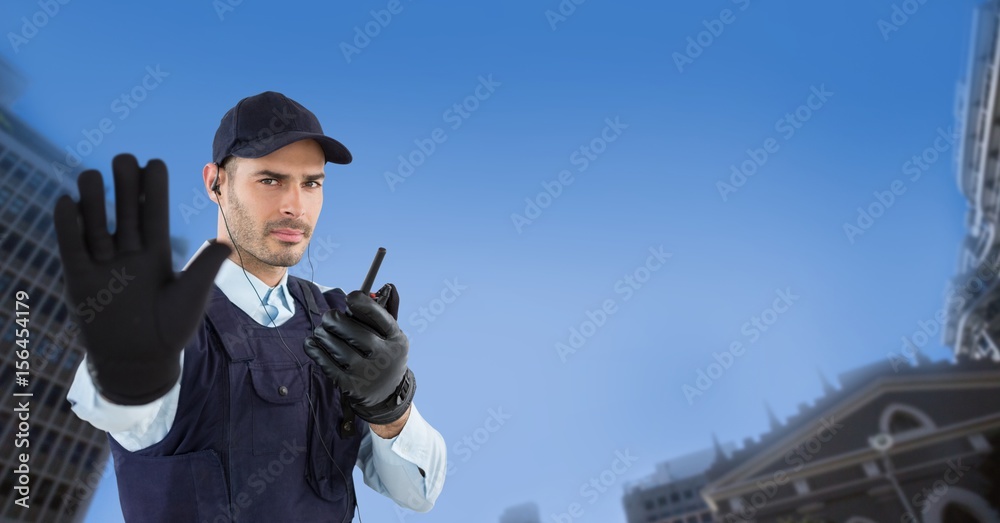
(208, 175)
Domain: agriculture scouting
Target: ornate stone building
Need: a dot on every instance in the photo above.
(973, 298)
(910, 443)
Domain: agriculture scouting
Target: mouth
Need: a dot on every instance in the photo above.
(288, 235)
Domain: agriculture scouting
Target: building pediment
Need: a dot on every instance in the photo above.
(915, 409)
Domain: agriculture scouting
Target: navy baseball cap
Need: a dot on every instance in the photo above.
(261, 124)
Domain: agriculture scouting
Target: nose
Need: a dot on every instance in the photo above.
(291, 202)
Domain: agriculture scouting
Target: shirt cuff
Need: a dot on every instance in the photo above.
(417, 444)
(122, 421)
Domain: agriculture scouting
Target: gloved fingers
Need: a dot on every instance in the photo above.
(127, 186)
(95, 221)
(327, 355)
(357, 335)
(342, 334)
(183, 301)
(368, 312)
(388, 298)
(155, 207)
(69, 235)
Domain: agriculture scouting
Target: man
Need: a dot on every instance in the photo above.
(253, 398)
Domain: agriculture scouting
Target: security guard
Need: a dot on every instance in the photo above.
(253, 398)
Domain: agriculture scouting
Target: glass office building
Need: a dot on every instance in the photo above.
(67, 455)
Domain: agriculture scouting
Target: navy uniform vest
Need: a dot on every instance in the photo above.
(244, 446)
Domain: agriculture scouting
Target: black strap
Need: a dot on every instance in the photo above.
(310, 301)
(348, 426)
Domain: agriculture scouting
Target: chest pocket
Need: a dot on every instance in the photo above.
(278, 406)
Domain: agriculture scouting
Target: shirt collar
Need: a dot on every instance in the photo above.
(233, 284)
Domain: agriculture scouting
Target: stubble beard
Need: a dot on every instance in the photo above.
(257, 244)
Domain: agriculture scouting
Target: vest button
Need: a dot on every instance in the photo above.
(282, 390)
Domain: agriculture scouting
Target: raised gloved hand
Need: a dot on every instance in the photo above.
(135, 314)
(364, 353)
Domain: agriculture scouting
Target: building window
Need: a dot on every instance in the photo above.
(54, 395)
(91, 462)
(25, 252)
(898, 419)
(7, 164)
(5, 279)
(61, 313)
(53, 267)
(40, 259)
(49, 189)
(28, 217)
(43, 490)
(649, 504)
(76, 456)
(48, 306)
(16, 205)
(72, 359)
(902, 422)
(42, 224)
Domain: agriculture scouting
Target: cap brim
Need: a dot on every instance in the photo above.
(334, 151)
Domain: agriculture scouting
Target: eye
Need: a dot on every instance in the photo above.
(316, 185)
(268, 179)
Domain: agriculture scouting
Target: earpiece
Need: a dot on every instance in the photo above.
(215, 182)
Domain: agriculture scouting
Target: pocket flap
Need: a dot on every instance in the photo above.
(278, 383)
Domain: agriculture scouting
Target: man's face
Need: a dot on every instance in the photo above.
(275, 201)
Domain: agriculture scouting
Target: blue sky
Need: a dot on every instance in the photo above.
(679, 132)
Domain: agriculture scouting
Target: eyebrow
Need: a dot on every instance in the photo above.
(283, 177)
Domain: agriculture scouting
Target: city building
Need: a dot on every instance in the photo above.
(904, 439)
(672, 493)
(973, 297)
(66, 455)
(896, 443)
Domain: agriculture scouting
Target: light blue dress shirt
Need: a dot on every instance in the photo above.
(408, 468)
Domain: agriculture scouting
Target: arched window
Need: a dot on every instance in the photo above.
(899, 419)
(958, 505)
(902, 422)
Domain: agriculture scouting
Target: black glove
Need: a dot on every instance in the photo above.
(364, 353)
(135, 314)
